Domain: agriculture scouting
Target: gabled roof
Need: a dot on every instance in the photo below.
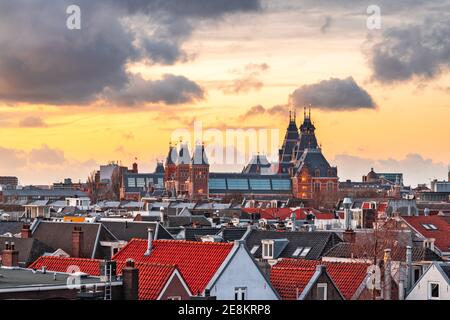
(198, 262)
(29, 249)
(127, 230)
(257, 165)
(319, 242)
(353, 251)
(192, 234)
(12, 227)
(152, 277)
(230, 234)
(185, 221)
(59, 235)
(347, 276)
(290, 282)
(313, 160)
(441, 233)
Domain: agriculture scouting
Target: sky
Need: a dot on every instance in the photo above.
(137, 71)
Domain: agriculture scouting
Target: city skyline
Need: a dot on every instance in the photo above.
(233, 66)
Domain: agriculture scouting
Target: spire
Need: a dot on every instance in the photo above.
(309, 112)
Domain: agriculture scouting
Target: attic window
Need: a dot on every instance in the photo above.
(267, 252)
(429, 226)
(254, 249)
(305, 252)
(297, 251)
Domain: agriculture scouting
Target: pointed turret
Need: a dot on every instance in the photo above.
(290, 139)
(199, 156)
(172, 156)
(183, 154)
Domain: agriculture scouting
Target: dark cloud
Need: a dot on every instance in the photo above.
(326, 24)
(333, 94)
(169, 90)
(32, 122)
(44, 62)
(420, 50)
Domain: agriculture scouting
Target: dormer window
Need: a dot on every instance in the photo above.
(317, 173)
(267, 252)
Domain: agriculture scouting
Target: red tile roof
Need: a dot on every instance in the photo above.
(70, 265)
(442, 234)
(197, 261)
(152, 277)
(290, 282)
(347, 276)
(285, 213)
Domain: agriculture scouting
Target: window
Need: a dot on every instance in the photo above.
(237, 184)
(140, 182)
(297, 252)
(433, 288)
(267, 250)
(417, 273)
(260, 184)
(305, 252)
(322, 291)
(217, 184)
(240, 293)
(279, 184)
(330, 186)
(131, 182)
(429, 226)
(254, 249)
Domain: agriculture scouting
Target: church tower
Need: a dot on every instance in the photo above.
(182, 169)
(199, 174)
(286, 152)
(170, 169)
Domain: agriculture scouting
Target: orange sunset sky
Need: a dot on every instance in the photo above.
(65, 108)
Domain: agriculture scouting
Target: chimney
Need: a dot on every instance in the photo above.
(349, 236)
(130, 276)
(387, 275)
(409, 271)
(26, 231)
(135, 168)
(10, 256)
(77, 242)
(149, 243)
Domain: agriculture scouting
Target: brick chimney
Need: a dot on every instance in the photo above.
(130, 276)
(349, 236)
(77, 242)
(26, 231)
(10, 256)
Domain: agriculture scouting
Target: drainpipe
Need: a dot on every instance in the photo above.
(409, 271)
(387, 274)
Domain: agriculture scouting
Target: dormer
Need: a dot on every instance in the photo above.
(272, 248)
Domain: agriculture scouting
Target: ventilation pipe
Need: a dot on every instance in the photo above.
(387, 274)
(149, 242)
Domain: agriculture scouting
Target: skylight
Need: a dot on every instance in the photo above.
(297, 251)
(254, 249)
(305, 252)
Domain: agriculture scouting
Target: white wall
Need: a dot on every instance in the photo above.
(420, 290)
(242, 272)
